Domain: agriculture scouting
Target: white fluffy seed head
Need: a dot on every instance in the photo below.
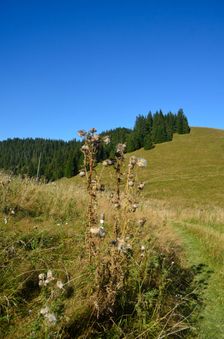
(60, 284)
(41, 276)
(50, 275)
(51, 318)
(45, 310)
(82, 173)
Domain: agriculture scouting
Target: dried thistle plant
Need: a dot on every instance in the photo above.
(112, 266)
(94, 232)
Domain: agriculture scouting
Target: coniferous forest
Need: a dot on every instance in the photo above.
(53, 159)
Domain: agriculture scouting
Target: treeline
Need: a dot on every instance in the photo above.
(53, 159)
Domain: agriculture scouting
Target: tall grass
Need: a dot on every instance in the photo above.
(134, 286)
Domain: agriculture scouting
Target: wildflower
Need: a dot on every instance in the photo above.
(102, 217)
(45, 310)
(82, 173)
(95, 138)
(51, 318)
(41, 276)
(102, 232)
(134, 207)
(81, 133)
(106, 139)
(107, 162)
(49, 277)
(98, 231)
(85, 148)
(141, 162)
(141, 186)
(117, 205)
(133, 160)
(142, 221)
(120, 148)
(123, 246)
(142, 251)
(44, 280)
(60, 284)
(130, 183)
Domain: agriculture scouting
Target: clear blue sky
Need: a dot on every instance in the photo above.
(66, 65)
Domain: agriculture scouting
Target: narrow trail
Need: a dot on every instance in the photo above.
(205, 246)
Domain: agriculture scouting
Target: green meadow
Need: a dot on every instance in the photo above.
(43, 230)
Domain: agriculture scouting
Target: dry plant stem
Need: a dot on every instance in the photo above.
(118, 197)
(89, 163)
(129, 198)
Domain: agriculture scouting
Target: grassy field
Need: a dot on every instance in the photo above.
(185, 180)
(43, 228)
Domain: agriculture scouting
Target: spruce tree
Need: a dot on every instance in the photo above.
(182, 123)
(133, 142)
(148, 144)
(159, 132)
(140, 130)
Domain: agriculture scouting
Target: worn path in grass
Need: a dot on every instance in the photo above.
(199, 250)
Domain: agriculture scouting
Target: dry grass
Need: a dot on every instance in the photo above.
(45, 230)
(183, 185)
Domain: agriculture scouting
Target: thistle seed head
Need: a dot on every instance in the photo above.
(120, 148)
(98, 231)
(81, 133)
(123, 246)
(51, 318)
(141, 186)
(85, 149)
(134, 207)
(41, 276)
(117, 205)
(82, 173)
(133, 160)
(106, 139)
(95, 138)
(141, 162)
(60, 284)
(141, 222)
(107, 162)
(44, 310)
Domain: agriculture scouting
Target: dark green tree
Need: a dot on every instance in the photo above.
(148, 144)
(140, 130)
(182, 123)
(159, 132)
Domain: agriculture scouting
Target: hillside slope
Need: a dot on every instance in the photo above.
(43, 229)
(190, 168)
(185, 183)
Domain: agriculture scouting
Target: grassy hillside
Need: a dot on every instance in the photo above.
(190, 168)
(185, 180)
(43, 229)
